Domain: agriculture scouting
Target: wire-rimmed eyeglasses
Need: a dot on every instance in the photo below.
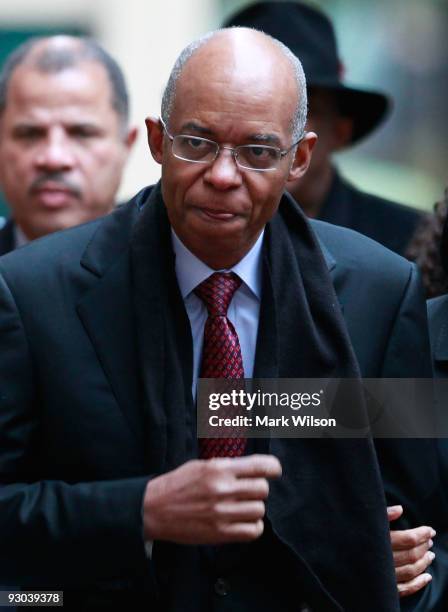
(200, 150)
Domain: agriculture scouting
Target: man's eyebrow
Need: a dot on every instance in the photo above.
(270, 139)
(24, 126)
(195, 127)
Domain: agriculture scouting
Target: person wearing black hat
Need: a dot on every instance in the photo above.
(341, 116)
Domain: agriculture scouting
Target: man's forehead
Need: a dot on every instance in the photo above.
(231, 65)
(238, 53)
(222, 85)
(84, 84)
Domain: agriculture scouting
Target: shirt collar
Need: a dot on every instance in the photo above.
(191, 271)
(19, 237)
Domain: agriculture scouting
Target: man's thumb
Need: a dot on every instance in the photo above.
(394, 512)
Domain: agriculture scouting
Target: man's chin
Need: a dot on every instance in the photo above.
(43, 227)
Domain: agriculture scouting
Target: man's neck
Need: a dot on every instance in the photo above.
(191, 271)
(312, 191)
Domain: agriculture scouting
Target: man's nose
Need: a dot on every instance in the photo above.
(55, 152)
(224, 172)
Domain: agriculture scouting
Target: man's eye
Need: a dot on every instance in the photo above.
(195, 143)
(28, 133)
(83, 132)
(262, 153)
(257, 151)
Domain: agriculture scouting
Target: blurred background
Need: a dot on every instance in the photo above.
(398, 46)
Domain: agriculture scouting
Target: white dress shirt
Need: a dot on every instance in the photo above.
(244, 309)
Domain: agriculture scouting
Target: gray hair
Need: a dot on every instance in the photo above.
(54, 59)
(299, 118)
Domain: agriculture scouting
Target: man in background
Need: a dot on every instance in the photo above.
(341, 116)
(64, 136)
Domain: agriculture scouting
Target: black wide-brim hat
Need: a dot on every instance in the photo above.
(309, 34)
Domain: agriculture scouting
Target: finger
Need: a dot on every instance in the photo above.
(404, 557)
(250, 488)
(240, 532)
(247, 511)
(394, 512)
(410, 538)
(412, 570)
(255, 466)
(413, 586)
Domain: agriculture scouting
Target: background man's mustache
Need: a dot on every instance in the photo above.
(55, 177)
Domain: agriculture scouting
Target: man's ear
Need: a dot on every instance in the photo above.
(302, 157)
(154, 130)
(131, 137)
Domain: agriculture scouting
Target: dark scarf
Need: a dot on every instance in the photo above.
(314, 343)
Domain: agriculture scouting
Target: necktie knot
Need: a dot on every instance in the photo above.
(217, 292)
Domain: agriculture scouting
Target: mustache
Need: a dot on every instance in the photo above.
(56, 178)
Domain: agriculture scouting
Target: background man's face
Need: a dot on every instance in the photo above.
(220, 208)
(333, 131)
(62, 148)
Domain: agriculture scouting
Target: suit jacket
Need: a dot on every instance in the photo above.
(97, 341)
(7, 237)
(389, 223)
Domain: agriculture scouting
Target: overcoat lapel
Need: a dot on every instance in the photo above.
(109, 322)
(142, 337)
(163, 338)
(109, 326)
(148, 273)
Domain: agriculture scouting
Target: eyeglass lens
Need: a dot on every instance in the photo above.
(257, 157)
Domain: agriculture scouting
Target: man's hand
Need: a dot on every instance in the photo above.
(412, 556)
(210, 501)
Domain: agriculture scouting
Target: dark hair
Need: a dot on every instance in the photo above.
(54, 59)
(429, 249)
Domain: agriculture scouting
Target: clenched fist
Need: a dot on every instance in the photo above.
(212, 501)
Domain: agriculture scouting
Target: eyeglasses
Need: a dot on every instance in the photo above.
(204, 151)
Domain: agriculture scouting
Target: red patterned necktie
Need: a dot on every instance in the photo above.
(221, 353)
